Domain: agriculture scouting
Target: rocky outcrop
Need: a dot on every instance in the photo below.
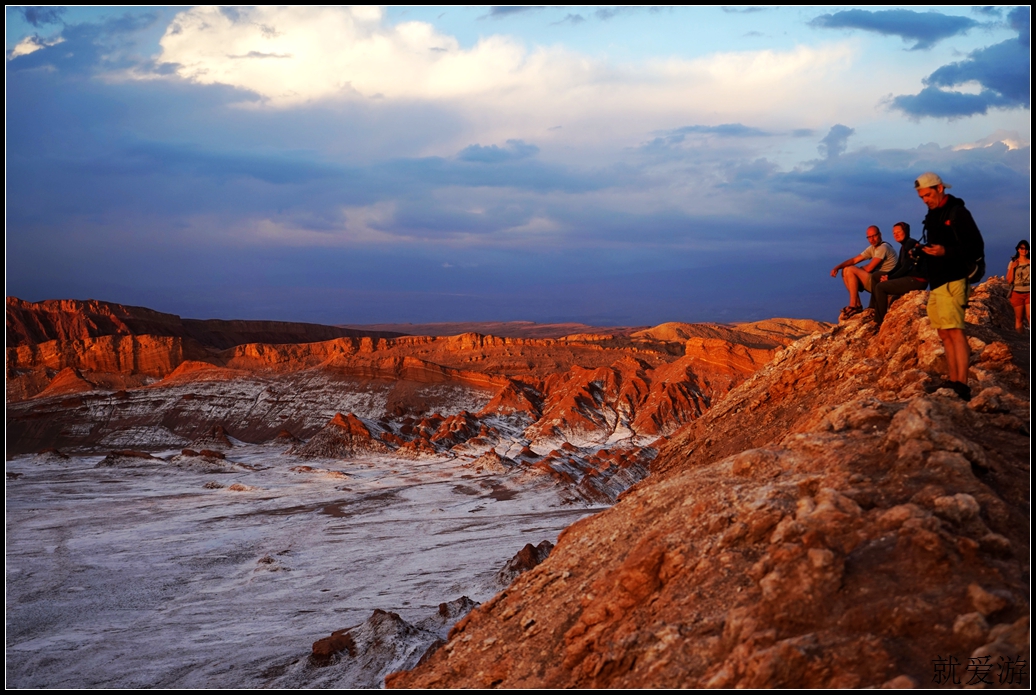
(216, 438)
(66, 320)
(129, 459)
(345, 436)
(361, 656)
(523, 561)
(68, 381)
(828, 524)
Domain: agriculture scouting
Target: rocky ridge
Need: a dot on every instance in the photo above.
(829, 523)
(98, 385)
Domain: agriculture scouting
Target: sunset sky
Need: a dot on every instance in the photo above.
(615, 166)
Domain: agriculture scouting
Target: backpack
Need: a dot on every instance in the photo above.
(976, 266)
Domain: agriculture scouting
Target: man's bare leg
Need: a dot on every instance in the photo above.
(958, 352)
(853, 283)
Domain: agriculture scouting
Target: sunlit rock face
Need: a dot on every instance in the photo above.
(829, 523)
(87, 375)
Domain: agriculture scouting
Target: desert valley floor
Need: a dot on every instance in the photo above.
(222, 575)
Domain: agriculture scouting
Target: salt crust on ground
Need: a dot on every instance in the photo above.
(148, 577)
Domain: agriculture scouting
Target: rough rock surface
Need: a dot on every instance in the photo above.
(88, 375)
(361, 656)
(523, 561)
(828, 524)
(70, 319)
(345, 435)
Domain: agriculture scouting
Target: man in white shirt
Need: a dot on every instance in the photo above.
(881, 259)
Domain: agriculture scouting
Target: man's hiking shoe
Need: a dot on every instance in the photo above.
(962, 390)
(850, 311)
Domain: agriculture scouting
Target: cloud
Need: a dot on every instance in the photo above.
(834, 143)
(493, 154)
(571, 19)
(604, 14)
(338, 56)
(745, 10)
(331, 53)
(1019, 19)
(732, 130)
(501, 11)
(31, 44)
(924, 28)
(1001, 70)
(1011, 138)
(38, 16)
(86, 47)
(988, 10)
(670, 143)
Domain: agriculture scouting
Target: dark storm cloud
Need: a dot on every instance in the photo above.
(1001, 69)
(187, 160)
(881, 180)
(924, 28)
(524, 174)
(87, 45)
(39, 16)
(834, 143)
(76, 151)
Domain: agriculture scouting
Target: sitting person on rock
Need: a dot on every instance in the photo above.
(881, 259)
(908, 275)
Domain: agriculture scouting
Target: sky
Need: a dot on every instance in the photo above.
(608, 165)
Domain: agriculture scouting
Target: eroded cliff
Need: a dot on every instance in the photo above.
(829, 523)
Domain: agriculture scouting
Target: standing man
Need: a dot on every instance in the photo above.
(908, 275)
(882, 259)
(954, 245)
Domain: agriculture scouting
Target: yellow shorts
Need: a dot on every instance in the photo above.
(946, 305)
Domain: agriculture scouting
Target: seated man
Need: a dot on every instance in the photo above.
(881, 259)
(908, 275)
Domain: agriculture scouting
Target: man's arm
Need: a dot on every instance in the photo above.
(851, 261)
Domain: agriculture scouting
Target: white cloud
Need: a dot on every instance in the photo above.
(1011, 138)
(357, 226)
(31, 44)
(292, 56)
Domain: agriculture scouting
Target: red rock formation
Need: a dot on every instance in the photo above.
(68, 381)
(65, 320)
(456, 429)
(828, 524)
(344, 436)
(589, 389)
(523, 561)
